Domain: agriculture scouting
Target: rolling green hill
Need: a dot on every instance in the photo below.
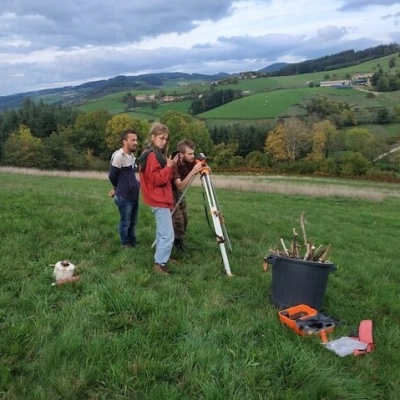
(265, 98)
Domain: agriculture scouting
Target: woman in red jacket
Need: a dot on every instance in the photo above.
(156, 172)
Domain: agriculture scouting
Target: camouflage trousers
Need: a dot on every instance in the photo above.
(180, 219)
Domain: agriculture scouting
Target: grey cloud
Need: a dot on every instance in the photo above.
(363, 4)
(100, 28)
(389, 16)
(69, 23)
(231, 55)
(331, 33)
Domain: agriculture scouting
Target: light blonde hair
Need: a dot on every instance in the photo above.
(158, 129)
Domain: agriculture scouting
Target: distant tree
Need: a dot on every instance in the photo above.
(198, 132)
(276, 143)
(361, 140)
(61, 154)
(346, 117)
(120, 122)
(160, 94)
(382, 84)
(182, 126)
(223, 155)
(129, 100)
(8, 124)
(396, 112)
(114, 127)
(289, 141)
(328, 167)
(213, 98)
(392, 62)
(374, 79)
(177, 123)
(153, 104)
(89, 133)
(354, 164)
(23, 150)
(298, 138)
(383, 116)
(319, 141)
(257, 159)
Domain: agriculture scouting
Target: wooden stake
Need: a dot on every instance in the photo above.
(284, 248)
(303, 229)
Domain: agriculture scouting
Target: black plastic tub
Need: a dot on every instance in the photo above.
(298, 282)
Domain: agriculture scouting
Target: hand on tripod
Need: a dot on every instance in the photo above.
(196, 169)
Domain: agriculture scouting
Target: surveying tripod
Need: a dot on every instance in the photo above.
(216, 214)
(219, 226)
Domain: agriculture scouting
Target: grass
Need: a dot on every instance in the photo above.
(123, 332)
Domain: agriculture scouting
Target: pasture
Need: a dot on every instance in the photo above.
(123, 332)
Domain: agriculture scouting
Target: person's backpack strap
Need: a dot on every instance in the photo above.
(143, 158)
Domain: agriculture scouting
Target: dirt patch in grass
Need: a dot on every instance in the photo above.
(306, 186)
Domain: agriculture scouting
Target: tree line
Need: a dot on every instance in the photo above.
(326, 142)
(212, 99)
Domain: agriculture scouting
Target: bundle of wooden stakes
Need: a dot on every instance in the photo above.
(312, 253)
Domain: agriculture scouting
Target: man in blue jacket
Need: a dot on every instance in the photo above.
(122, 175)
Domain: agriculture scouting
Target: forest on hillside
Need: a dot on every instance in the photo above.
(340, 60)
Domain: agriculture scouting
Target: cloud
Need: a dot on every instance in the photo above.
(363, 4)
(43, 45)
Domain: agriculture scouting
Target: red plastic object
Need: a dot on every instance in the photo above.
(365, 336)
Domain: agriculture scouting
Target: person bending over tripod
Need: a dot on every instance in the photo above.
(186, 169)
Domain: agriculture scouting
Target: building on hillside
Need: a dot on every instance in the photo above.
(145, 97)
(168, 99)
(362, 79)
(343, 84)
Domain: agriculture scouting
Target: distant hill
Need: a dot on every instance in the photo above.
(91, 90)
(74, 95)
(273, 67)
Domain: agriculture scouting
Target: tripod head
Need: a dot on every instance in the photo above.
(202, 159)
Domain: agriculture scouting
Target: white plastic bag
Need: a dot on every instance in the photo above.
(345, 346)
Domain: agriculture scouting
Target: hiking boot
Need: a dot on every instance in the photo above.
(160, 269)
(179, 245)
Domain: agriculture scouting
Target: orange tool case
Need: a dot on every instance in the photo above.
(305, 321)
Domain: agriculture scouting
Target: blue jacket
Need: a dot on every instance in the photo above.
(122, 175)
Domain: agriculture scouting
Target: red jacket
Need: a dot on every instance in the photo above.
(155, 184)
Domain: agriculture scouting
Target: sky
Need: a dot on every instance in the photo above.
(48, 44)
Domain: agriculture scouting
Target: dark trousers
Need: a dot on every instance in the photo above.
(180, 220)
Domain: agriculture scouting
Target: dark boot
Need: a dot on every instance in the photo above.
(179, 245)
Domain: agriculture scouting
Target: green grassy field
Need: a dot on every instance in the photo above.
(123, 332)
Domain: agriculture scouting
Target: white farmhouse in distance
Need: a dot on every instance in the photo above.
(341, 83)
